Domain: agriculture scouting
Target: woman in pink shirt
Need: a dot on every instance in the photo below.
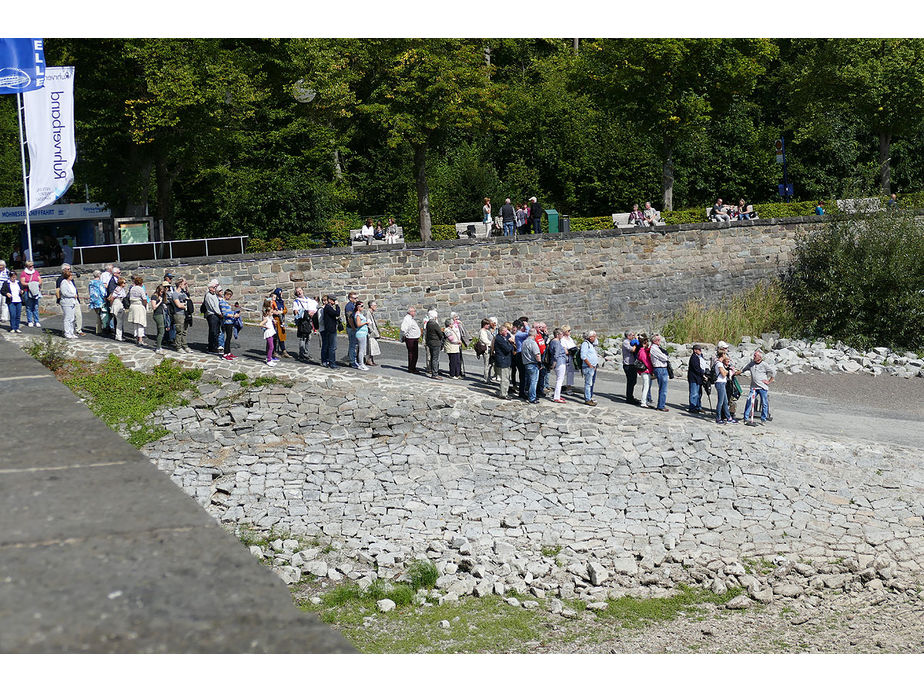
(644, 355)
(32, 280)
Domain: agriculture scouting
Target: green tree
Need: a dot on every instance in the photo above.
(880, 80)
(672, 87)
(417, 92)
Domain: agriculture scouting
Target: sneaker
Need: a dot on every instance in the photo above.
(230, 356)
(721, 421)
(38, 324)
(275, 359)
(643, 405)
(769, 418)
(733, 421)
(158, 351)
(31, 324)
(559, 401)
(221, 350)
(270, 363)
(363, 367)
(749, 423)
(590, 403)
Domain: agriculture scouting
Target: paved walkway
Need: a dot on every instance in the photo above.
(813, 403)
(100, 552)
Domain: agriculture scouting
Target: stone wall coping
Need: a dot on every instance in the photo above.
(764, 224)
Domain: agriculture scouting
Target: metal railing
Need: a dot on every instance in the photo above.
(160, 250)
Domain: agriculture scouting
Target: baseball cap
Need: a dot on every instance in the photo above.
(722, 345)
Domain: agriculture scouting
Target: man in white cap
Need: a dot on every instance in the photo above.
(212, 310)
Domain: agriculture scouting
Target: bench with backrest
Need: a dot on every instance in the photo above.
(473, 229)
(862, 204)
(358, 240)
(621, 221)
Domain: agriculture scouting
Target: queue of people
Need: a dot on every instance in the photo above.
(517, 357)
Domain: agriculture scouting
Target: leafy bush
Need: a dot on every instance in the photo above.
(763, 308)
(861, 280)
(685, 216)
(49, 351)
(589, 223)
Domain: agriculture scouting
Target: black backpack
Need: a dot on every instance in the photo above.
(547, 358)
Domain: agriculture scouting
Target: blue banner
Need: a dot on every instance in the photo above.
(22, 65)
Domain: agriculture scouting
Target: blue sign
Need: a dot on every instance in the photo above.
(785, 190)
(22, 65)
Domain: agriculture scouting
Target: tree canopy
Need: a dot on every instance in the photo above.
(280, 138)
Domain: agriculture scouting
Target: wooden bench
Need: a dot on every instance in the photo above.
(358, 241)
(862, 204)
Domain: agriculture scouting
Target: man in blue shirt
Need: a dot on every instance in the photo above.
(589, 361)
(522, 332)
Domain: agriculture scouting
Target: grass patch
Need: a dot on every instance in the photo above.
(423, 574)
(125, 399)
(262, 380)
(477, 625)
(240, 378)
(550, 551)
(634, 613)
(763, 308)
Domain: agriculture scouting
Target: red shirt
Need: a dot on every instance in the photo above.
(541, 342)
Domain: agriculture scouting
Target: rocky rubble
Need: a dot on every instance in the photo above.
(545, 503)
(791, 356)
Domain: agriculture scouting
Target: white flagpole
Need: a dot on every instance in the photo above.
(25, 184)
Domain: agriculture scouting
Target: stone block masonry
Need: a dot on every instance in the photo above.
(602, 280)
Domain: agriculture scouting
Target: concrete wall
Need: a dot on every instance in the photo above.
(607, 280)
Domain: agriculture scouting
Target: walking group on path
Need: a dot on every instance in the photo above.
(518, 357)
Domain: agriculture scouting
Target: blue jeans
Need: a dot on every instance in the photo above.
(537, 225)
(590, 376)
(32, 308)
(764, 402)
(329, 348)
(696, 395)
(661, 375)
(721, 402)
(543, 379)
(353, 346)
(508, 228)
(532, 377)
(15, 314)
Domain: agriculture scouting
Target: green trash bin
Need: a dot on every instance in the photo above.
(553, 220)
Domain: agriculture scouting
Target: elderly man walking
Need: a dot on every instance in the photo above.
(410, 335)
(589, 361)
(762, 374)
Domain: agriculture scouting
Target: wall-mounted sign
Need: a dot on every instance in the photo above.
(88, 210)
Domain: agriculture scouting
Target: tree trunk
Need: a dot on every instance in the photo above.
(885, 172)
(667, 182)
(423, 192)
(165, 179)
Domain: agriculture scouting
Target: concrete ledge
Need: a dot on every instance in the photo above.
(101, 552)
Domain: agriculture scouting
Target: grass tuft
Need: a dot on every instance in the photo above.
(763, 308)
(422, 574)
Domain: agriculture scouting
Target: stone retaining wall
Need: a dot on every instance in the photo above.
(605, 280)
